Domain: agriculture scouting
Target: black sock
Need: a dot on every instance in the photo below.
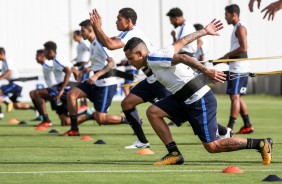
(134, 121)
(46, 118)
(222, 130)
(246, 120)
(231, 122)
(172, 147)
(0, 108)
(74, 125)
(36, 107)
(253, 144)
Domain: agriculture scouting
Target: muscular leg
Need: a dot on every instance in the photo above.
(104, 119)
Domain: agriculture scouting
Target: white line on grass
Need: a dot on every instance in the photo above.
(127, 171)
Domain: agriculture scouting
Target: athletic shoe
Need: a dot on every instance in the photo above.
(1, 115)
(174, 158)
(70, 133)
(38, 118)
(9, 107)
(45, 124)
(82, 109)
(266, 150)
(90, 112)
(138, 144)
(246, 130)
(228, 134)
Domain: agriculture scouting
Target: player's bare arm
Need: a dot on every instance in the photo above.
(67, 72)
(214, 75)
(5, 75)
(109, 43)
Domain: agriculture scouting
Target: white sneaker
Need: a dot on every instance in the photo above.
(138, 144)
(1, 115)
(228, 134)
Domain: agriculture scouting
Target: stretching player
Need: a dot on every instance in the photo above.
(100, 88)
(192, 99)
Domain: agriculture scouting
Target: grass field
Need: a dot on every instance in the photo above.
(30, 156)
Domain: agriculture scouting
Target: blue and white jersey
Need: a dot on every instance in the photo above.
(47, 69)
(10, 66)
(186, 29)
(83, 51)
(58, 67)
(173, 77)
(98, 57)
(238, 66)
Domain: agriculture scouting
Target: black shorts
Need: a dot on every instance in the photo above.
(13, 91)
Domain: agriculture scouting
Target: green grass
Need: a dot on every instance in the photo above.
(33, 153)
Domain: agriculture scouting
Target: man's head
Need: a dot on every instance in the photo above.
(2, 54)
(126, 18)
(40, 57)
(136, 52)
(86, 29)
(77, 36)
(176, 17)
(232, 13)
(50, 50)
(198, 27)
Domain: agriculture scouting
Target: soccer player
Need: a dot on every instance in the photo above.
(192, 99)
(62, 73)
(10, 73)
(237, 82)
(147, 90)
(177, 20)
(100, 88)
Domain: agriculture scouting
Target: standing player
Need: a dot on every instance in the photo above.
(100, 88)
(62, 73)
(237, 86)
(192, 99)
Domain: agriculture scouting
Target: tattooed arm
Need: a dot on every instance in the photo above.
(211, 29)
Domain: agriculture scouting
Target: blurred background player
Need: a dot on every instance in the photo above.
(81, 62)
(237, 82)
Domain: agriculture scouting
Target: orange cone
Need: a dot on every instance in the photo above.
(41, 128)
(232, 169)
(86, 138)
(145, 151)
(13, 121)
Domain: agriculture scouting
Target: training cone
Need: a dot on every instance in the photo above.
(13, 121)
(272, 178)
(100, 142)
(22, 123)
(40, 128)
(232, 169)
(86, 138)
(53, 131)
(145, 151)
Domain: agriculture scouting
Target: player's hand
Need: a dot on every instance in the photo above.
(251, 4)
(215, 75)
(92, 79)
(213, 27)
(95, 18)
(58, 96)
(271, 9)
(173, 33)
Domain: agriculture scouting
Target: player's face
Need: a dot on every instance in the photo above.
(40, 58)
(2, 57)
(85, 32)
(122, 23)
(49, 54)
(173, 21)
(228, 17)
(134, 58)
(76, 37)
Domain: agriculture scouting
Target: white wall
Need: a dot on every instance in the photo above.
(26, 25)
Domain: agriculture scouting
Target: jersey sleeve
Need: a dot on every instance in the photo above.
(161, 58)
(106, 51)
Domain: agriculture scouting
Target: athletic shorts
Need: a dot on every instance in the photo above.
(126, 81)
(13, 91)
(100, 96)
(237, 84)
(150, 92)
(200, 114)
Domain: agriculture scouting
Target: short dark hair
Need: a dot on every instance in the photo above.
(132, 43)
(77, 32)
(175, 12)
(85, 23)
(50, 45)
(129, 13)
(40, 51)
(2, 50)
(198, 27)
(233, 8)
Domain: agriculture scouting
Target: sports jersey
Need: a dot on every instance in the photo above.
(83, 51)
(98, 57)
(186, 29)
(47, 69)
(238, 66)
(173, 77)
(58, 67)
(10, 66)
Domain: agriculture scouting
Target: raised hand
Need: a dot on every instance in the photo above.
(95, 18)
(213, 27)
(215, 76)
(251, 4)
(271, 9)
